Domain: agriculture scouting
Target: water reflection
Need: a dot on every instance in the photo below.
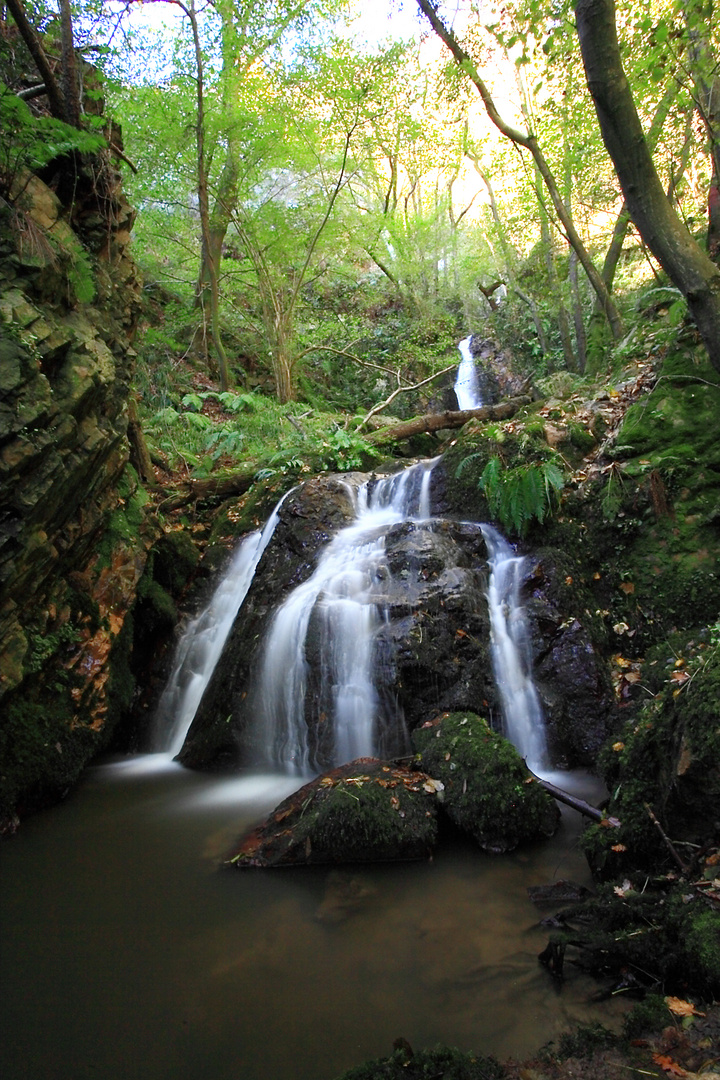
(126, 953)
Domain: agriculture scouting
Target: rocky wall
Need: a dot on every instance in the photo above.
(72, 525)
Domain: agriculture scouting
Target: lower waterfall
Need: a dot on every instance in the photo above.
(512, 663)
(202, 642)
(343, 598)
(315, 698)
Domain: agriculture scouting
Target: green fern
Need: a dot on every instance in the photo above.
(517, 496)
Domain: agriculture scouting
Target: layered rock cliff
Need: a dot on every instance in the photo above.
(71, 524)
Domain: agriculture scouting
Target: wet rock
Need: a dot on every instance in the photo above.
(430, 651)
(365, 811)
(71, 543)
(488, 791)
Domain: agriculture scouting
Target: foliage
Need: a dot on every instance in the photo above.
(520, 495)
(30, 142)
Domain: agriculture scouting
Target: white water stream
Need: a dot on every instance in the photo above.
(467, 390)
(202, 642)
(512, 662)
(343, 598)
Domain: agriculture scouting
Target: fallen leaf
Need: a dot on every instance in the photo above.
(680, 676)
(627, 587)
(668, 1065)
(682, 1008)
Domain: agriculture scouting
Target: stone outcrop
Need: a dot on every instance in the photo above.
(70, 552)
(431, 651)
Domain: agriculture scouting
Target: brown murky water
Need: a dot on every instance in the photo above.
(126, 953)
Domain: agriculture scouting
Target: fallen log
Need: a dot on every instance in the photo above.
(449, 419)
(212, 487)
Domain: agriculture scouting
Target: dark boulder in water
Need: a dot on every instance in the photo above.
(487, 790)
(365, 811)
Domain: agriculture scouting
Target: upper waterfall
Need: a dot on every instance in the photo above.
(467, 389)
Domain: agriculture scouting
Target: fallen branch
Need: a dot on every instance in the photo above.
(403, 390)
(450, 419)
(214, 487)
(580, 805)
(666, 839)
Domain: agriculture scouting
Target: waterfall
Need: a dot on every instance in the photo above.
(467, 390)
(336, 614)
(512, 662)
(202, 642)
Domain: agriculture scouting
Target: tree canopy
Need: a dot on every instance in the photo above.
(280, 162)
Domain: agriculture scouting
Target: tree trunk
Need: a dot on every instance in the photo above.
(706, 80)
(211, 291)
(688, 267)
(71, 86)
(54, 93)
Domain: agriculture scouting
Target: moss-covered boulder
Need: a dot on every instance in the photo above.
(488, 791)
(663, 767)
(365, 811)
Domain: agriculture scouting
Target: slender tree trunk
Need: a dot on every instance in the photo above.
(687, 265)
(595, 332)
(463, 60)
(508, 254)
(71, 86)
(706, 78)
(54, 93)
(212, 293)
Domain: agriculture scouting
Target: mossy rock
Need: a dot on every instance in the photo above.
(488, 791)
(662, 935)
(666, 761)
(365, 811)
(438, 1061)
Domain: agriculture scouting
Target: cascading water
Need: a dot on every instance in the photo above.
(512, 663)
(340, 607)
(202, 642)
(467, 390)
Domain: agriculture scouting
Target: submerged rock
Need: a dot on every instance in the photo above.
(365, 811)
(488, 791)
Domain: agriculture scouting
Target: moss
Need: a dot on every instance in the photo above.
(367, 821)
(581, 438)
(666, 758)
(647, 1017)
(42, 752)
(702, 941)
(124, 524)
(439, 1061)
(489, 792)
(584, 1041)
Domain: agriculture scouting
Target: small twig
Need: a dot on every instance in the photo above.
(118, 153)
(668, 842)
(402, 390)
